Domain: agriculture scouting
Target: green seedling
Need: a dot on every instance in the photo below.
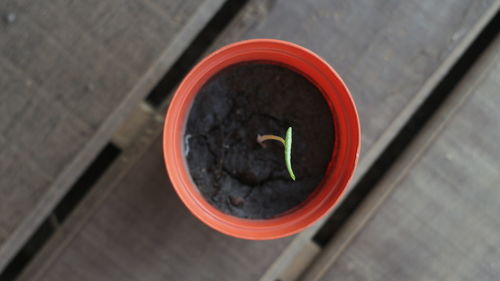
(287, 143)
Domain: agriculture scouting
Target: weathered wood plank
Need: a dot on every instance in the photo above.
(70, 72)
(153, 236)
(11, 176)
(435, 215)
(401, 73)
(386, 77)
(91, 203)
(384, 50)
(44, 129)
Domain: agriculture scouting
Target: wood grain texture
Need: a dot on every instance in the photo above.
(140, 226)
(440, 221)
(391, 54)
(384, 50)
(143, 232)
(70, 71)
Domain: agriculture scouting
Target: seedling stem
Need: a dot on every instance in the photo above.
(287, 143)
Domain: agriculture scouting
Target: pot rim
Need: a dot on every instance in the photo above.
(342, 163)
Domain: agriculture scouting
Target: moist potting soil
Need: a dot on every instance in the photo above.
(231, 169)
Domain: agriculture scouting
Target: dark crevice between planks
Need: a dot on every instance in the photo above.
(42, 234)
(69, 202)
(412, 128)
(85, 183)
(194, 52)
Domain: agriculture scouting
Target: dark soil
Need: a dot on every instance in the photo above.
(234, 172)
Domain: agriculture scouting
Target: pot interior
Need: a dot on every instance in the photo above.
(231, 170)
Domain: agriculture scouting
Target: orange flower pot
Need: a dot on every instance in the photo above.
(342, 163)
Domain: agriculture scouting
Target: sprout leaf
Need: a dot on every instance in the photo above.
(288, 152)
(287, 142)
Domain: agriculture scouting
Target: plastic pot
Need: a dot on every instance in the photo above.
(342, 163)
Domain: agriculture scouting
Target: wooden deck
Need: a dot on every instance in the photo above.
(435, 215)
(71, 73)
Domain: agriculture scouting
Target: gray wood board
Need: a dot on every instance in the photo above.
(384, 50)
(69, 74)
(142, 231)
(386, 55)
(440, 221)
(390, 53)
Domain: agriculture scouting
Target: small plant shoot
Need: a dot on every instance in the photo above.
(287, 143)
